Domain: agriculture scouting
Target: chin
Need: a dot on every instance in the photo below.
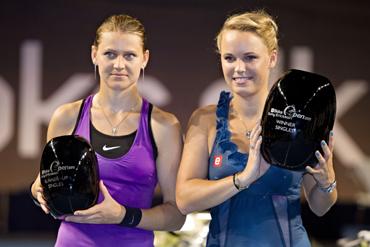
(243, 92)
(119, 85)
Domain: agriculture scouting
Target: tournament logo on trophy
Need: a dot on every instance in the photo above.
(299, 113)
(69, 175)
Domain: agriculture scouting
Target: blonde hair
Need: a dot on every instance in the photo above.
(258, 22)
(121, 23)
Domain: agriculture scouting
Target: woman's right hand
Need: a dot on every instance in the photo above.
(37, 193)
(253, 169)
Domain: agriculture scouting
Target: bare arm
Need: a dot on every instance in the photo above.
(194, 191)
(62, 123)
(321, 176)
(169, 143)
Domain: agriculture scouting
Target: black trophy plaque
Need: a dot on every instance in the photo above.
(69, 175)
(299, 113)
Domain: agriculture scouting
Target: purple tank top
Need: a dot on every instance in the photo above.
(130, 179)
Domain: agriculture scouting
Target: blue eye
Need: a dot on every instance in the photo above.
(130, 56)
(250, 58)
(229, 58)
(110, 55)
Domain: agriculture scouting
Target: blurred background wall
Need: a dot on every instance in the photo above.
(45, 62)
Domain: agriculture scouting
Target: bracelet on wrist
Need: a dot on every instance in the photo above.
(329, 189)
(237, 183)
(132, 217)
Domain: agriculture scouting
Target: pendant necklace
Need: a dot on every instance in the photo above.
(248, 132)
(116, 127)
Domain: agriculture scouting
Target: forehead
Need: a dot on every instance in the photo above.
(120, 41)
(233, 41)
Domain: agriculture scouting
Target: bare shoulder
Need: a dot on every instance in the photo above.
(163, 119)
(166, 130)
(64, 119)
(203, 117)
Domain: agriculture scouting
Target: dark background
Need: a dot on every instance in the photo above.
(334, 34)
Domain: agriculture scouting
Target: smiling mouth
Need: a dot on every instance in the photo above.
(242, 79)
(115, 74)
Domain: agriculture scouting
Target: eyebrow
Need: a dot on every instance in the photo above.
(246, 53)
(250, 53)
(114, 50)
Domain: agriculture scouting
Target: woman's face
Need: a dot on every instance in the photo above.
(246, 62)
(119, 57)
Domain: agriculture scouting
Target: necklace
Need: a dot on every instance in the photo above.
(116, 127)
(248, 132)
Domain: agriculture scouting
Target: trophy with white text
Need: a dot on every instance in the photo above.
(299, 113)
(69, 175)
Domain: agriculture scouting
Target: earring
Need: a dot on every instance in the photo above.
(143, 68)
(95, 71)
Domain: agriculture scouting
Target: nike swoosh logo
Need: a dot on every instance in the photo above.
(132, 221)
(105, 148)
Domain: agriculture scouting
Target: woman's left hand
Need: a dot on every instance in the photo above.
(323, 172)
(107, 212)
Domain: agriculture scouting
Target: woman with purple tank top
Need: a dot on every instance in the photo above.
(137, 145)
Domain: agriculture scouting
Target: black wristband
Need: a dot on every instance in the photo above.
(236, 182)
(32, 197)
(132, 217)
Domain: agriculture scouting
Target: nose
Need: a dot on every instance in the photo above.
(240, 66)
(119, 63)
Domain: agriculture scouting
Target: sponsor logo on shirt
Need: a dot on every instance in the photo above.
(217, 161)
(106, 148)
